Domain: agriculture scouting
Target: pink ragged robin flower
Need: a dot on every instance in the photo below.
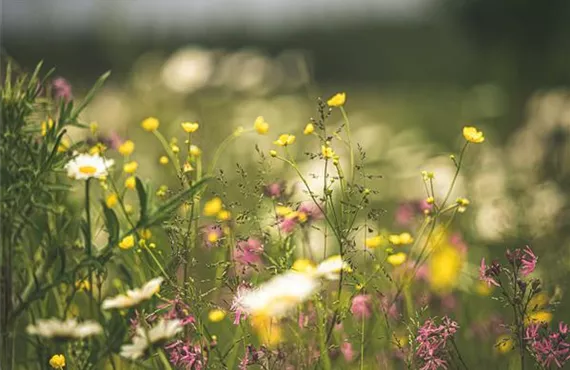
(489, 273)
(528, 261)
(432, 341)
(548, 347)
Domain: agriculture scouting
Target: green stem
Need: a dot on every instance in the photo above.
(457, 168)
(325, 359)
(347, 128)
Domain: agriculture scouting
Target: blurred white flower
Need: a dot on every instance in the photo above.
(70, 328)
(145, 338)
(495, 218)
(331, 267)
(546, 202)
(278, 296)
(188, 70)
(86, 166)
(134, 296)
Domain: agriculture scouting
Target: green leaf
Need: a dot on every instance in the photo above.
(173, 203)
(90, 95)
(112, 224)
(143, 200)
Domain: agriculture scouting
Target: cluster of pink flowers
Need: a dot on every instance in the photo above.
(549, 347)
(432, 339)
(248, 254)
(185, 355)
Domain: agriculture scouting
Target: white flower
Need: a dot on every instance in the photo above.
(71, 328)
(144, 338)
(331, 268)
(134, 296)
(85, 166)
(278, 296)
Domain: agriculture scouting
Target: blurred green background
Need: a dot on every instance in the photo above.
(415, 72)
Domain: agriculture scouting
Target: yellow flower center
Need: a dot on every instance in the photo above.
(87, 170)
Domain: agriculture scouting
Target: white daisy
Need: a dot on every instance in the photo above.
(85, 166)
(144, 338)
(331, 268)
(134, 296)
(278, 296)
(71, 328)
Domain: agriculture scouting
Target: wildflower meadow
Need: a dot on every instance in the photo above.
(174, 244)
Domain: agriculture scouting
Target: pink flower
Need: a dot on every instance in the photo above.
(248, 254)
(312, 210)
(528, 261)
(361, 306)
(287, 225)
(405, 214)
(488, 273)
(347, 351)
(548, 347)
(237, 306)
(185, 355)
(274, 190)
(431, 350)
(61, 89)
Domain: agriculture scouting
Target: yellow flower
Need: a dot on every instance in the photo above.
(57, 361)
(397, 259)
(145, 234)
(283, 211)
(285, 140)
(394, 239)
(483, 289)
(97, 149)
(261, 126)
(374, 242)
(127, 148)
(131, 182)
(445, 267)
(63, 145)
(309, 129)
(213, 207)
(473, 135)
(337, 100)
(150, 124)
(273, 153)
(224, 215)
(212, 237)
(93, 127)
(163, 160)
(190, 127)
(327, 151)
(538, 317)
(268, 330)
(130, 167)
(303, 265)
(195, 151)
(128, 242)
(216, 315)
(111, 200)
(46, 126)
(504, 343)
(406, 238)
(82, 285)
(175, 148)
(187, 167)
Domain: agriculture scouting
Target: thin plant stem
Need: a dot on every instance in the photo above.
(347, 128)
